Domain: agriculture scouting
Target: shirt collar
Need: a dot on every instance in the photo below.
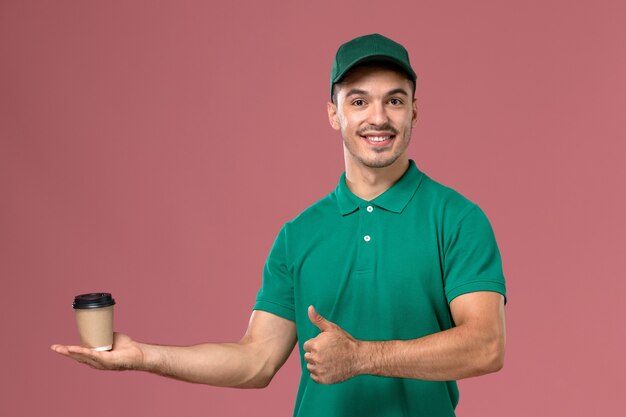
(394, 199)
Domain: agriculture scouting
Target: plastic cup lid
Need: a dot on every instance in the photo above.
(93, 300)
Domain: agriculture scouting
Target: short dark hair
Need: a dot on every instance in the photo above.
(375, 64)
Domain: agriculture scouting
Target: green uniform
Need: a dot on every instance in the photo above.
(383, 269)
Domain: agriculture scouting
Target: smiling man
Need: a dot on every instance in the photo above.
(391, 285)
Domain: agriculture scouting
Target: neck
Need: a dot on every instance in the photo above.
(368, 183)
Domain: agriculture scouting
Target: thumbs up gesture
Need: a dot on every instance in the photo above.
(333, 355)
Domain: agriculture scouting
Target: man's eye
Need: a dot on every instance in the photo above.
(358, 102)
(395, 101)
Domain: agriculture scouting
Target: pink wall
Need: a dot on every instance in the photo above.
(154, 149)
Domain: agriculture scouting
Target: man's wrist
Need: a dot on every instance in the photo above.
(150, 359)
(368, 356)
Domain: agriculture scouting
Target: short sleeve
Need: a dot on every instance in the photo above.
(276, 294)
(471, 257)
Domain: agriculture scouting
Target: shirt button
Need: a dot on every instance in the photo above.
(370, 209)
(367, 238)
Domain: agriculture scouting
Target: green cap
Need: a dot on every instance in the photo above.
(369, 48)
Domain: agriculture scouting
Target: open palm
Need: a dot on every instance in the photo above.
(126, 354)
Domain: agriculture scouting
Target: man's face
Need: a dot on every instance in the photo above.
(375, 112)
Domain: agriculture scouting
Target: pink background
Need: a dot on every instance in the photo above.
(154, 149)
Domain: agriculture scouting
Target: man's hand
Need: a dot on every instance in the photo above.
(126, 354)
(332, 356)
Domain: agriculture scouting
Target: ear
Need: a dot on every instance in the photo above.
(331, 108)
(414, 118)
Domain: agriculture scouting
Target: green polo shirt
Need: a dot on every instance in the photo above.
(382, 270)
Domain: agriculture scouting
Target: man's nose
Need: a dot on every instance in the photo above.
(377, 115)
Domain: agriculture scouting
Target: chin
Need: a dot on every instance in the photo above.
(379, 163)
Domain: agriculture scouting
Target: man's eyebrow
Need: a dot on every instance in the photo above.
(356, 91)
(398, 91)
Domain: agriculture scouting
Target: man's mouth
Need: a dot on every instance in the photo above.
(378, 139)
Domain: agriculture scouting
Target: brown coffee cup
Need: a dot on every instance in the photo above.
(94, 319)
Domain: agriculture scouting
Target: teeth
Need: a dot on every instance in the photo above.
(378, 138)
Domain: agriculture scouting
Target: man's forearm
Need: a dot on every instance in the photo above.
(249, 363)
(453, 354)
(218, 364)
(474, 347)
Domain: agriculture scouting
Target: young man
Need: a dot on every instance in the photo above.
(391, 285)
